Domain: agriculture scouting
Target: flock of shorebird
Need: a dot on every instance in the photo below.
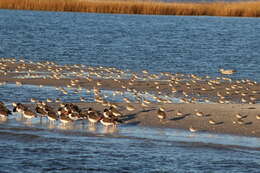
(189, 88)
(66, 113)
(111, 115)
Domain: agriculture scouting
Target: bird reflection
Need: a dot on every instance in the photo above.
(92, 128)
(109, 129)
(3, 120)
(67, 126)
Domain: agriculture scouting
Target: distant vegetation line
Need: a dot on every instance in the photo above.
(239, 9)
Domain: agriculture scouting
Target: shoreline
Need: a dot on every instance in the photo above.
(223, 114)
(189, 88)
(227, 9)
(207, 104)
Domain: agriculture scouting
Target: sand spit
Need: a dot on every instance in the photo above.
(220, 105)
(185, 116)
(190, 88)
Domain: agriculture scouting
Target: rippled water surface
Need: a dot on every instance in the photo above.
(40, 146)
(198, 45)
(185, 44)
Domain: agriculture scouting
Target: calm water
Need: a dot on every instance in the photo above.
(185, 44)
(198, 45)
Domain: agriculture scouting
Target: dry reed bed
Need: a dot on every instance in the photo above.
(240, 9)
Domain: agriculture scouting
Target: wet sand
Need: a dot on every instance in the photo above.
(223, 114)
(186, 86)
(236, 96)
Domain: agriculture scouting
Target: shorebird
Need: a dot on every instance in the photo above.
(130, 107)
(174, 90)
(258, 117)
(57, 100)
(144, 105)
(52, 116)
(107, 113)
(221, 101)
(18, 107)
(3, 113)
(193, 129)
(33, 100)
(145, 72)
(126, 100)
(49, 100)
(211, 121)
(93, 116)
(18, 83)
(98, 83)
(239, 116)
(82, 99)
(114, 105)
(40, 110)
(115, 111)
(161, 114)
(243, 94)
(243, 100)
(74, 116)
(46, 107)
(179, 113)
(146, 102)
(72, 108)
(28, 114)
(64, 119)
(108, 122)
(240, 121)
(227, 72)
(4, 110)
(200, 114)
(252, 98)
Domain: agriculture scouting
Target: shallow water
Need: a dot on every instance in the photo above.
(44, 147)
(27, 146)
(198, 45)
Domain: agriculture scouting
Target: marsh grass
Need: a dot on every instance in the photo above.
(239, 9)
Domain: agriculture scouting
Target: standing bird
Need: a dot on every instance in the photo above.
(161, 114)
(28, 114)
(199, 114)
(130, 107)
(41, 110)
(108, 122)
(65, 119)
(211, 121)
(239, 116)
(93, 116)
(4, 111)
(19, 107)
(52, 116)
(227, 72)
(108, 114)
(115, 111)
(192, 129)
